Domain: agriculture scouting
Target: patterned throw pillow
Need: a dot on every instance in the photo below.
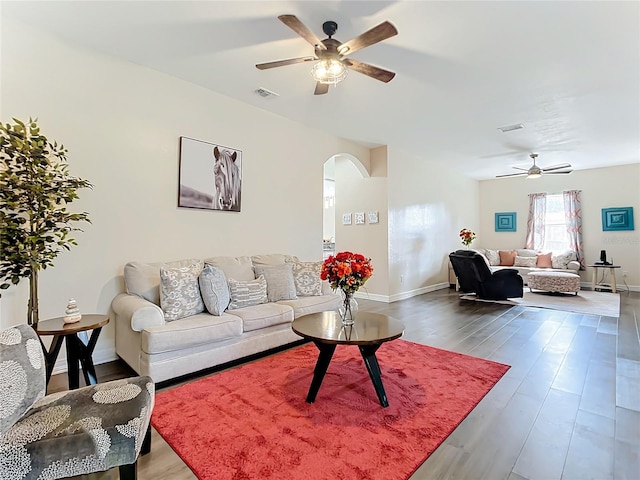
(179, 291)
(280, 285)
(214, 290)
(525, 261)
(562, 260)
(507, 257)
(306, 276)
(245, 293)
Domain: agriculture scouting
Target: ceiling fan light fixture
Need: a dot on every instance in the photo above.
(329, 71)
(534, 175)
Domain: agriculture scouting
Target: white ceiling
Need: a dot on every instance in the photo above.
(568, 70)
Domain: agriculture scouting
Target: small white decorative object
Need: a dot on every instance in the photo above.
(359, 218)
(373, 217)
(72, 313)
(346, 219)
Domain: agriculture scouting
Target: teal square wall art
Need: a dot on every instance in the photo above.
(617, 218)
(505, 221)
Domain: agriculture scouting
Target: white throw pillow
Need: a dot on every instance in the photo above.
(492, 256)
(214, 290)
(180, 292)
(280, 284)
(525, 261)
(306, 276)
(246, 293)
(561, 260)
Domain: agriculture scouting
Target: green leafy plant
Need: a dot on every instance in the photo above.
(35, 188)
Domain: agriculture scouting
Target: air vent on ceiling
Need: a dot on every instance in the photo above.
(264, 93)
(511, 128)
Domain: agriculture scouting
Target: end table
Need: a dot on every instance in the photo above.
(612, 271)
(78, 351)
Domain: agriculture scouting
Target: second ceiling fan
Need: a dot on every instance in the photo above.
(534, 171)
(331, 65)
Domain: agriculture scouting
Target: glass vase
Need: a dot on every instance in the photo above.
(348, 309)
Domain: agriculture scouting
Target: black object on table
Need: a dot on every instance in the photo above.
(369, 332)
(79, 352)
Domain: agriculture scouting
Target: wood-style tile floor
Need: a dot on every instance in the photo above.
(569, 408)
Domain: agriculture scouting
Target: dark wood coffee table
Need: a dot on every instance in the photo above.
(369, 331)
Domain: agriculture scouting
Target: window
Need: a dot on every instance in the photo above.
(555, 225)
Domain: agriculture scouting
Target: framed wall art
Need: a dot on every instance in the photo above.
(373, 217)
(346, 219)
(359, 218)
(210, 176)
(617, 218)
(505, 221)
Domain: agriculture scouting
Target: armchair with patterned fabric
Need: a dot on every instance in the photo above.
(69, 433)
(474, 276)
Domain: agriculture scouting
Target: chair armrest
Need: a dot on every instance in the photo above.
(137, 311)
(505, 272)
(573, 265)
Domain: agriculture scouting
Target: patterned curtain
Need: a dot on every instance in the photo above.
(573, 220)
(535, 222)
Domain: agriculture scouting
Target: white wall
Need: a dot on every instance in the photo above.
(428, 205)
(601, 188)
(355, 193)
(121, 123)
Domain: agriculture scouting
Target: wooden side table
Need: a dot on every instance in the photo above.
(612, 270)
(79, 351)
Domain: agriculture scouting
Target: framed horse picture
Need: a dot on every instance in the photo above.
(210, 176)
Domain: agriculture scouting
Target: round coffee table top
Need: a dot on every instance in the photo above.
(368, 328)
(56, 326)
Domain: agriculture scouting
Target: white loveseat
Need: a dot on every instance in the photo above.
(527, 261)
(162, 332)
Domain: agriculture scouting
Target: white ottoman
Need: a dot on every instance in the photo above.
(554, 281)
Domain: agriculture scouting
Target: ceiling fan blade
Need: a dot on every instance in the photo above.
(301, 29)
(369, 70)
(321, 88)
(520, 168)
(282, 63)
(512, 175)
(556, 167)
(376, 34)
(557, 172)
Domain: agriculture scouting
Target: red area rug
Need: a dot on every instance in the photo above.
(252, 422)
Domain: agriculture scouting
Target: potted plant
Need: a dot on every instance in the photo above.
(35, 189)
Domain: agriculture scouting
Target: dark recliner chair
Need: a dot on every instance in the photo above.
(474, 276)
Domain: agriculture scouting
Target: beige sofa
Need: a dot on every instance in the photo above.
(561, 262)
(162, 332)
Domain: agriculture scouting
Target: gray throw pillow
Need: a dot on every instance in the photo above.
(214, 290)
(306, 276)
(180, 292)
(246, 293)
(280, 285)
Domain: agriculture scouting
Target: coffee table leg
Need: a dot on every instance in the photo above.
(324, 358)
(368, 353)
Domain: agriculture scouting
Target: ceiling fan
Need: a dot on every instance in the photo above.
(331, 65)
(535, 171)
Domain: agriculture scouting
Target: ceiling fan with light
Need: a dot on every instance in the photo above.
(535, 171)
(330, 65)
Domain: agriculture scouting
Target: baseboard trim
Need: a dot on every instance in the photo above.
(103, 355)
(402, 295)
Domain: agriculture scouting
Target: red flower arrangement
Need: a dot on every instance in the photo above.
(347, 271)
(467, 236)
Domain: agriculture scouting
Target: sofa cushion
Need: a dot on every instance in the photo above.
(306, 276)
(313, 304)
(507, 257)
(493, 256)
(180, 292)
(246, 293)
(188, 332)
(238, 268)
(561, 260)
(544, 260)
(262, 316)
(214, 290)
(272, 259)
(525, 261)
(143, 279)
(280, 285)
(526, 252)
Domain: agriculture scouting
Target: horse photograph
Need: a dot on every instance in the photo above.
(210, 176)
